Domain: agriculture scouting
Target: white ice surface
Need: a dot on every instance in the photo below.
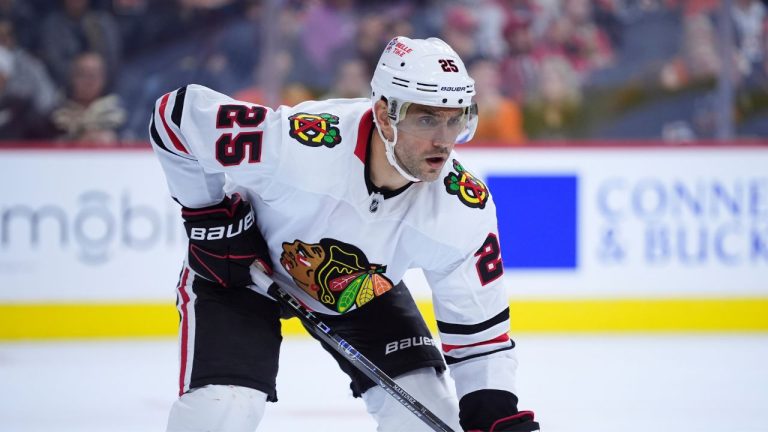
(680, 383)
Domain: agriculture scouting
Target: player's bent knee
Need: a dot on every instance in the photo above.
(220, 408)
(429, 388)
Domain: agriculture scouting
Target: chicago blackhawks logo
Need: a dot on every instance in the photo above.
(315, 130)
(336, 274)
(470, 190)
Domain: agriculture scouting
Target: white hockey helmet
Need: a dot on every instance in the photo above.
(426, 72)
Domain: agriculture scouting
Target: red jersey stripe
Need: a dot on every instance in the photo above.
(363, 132)
(176, 142)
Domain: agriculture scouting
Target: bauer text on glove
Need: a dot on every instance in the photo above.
(224, 241)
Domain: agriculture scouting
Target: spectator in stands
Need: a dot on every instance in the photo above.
(490, 33)
(76, 29)
(148, 25)
(29, 80)
(281, 64)
(402, 22)
(291, 94)
(499, 117)
(699, 60)
(144, 23)
(24, 19)
(765, 53)
(89, 115)
(295, 93)
(749, 17)
(606, 17)
(184, 45)
(371, 35)
(328, 31)
(575, 36)
(520, 68)
(352, 81)
(238, 49)
(17, 118)
(218, 43)
(554, 110)
(376, 27)
(459, 28)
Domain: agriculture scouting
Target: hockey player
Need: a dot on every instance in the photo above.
(348, 195)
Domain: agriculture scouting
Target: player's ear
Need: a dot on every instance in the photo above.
(382, 118)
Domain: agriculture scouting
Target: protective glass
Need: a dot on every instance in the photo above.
(429, 123)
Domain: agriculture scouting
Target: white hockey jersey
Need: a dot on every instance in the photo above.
(337, 241)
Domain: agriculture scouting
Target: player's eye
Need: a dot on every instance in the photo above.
(454, 121)
(427, 121)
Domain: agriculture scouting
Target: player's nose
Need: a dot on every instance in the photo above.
(443, 137)
(441, 141)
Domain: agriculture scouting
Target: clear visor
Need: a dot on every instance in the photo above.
(454, 125)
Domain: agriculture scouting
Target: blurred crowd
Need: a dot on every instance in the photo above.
(90, 70)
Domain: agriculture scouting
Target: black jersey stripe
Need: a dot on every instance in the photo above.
(178, 106)
(466, 329)
(156, 136)
(159, 141)
(453, 360)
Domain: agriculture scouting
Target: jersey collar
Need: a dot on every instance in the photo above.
(363, 152)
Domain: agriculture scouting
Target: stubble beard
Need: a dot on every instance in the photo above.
(417, 166)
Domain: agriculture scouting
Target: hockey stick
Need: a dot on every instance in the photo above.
(359, 361)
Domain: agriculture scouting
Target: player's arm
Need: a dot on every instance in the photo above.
(472, 311)
(198, 136)
(189, 182)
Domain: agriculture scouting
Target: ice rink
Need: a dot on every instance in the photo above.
(582, 383)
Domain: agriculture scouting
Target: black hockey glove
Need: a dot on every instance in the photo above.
(494, 411)
(224, 241)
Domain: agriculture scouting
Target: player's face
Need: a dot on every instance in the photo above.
(425, 139)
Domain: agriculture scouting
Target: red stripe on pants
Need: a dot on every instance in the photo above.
(502, 338)
(184, 328)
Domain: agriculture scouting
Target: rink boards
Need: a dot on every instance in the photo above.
(640, 238)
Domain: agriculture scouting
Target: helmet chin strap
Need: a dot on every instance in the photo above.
(389, 149)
